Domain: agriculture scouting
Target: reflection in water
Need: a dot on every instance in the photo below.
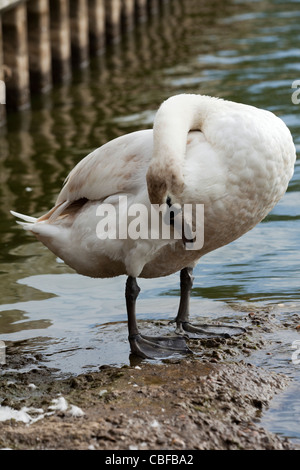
(16, 320)
(245, 51)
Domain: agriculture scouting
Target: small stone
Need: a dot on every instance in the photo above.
(178, 442)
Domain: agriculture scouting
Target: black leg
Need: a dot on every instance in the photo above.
(131, 294)
(186, 284)
(148, 346)
(184, 327)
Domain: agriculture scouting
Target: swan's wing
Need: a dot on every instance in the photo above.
(116, 167)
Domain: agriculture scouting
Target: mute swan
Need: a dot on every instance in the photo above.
(234, 159)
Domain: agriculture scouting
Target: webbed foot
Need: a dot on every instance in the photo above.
(152, 347)
(208, 330)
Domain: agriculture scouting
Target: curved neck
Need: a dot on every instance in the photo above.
(175, 118)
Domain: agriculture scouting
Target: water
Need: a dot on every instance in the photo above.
(245, 51)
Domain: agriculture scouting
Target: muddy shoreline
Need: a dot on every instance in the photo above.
(212, 400)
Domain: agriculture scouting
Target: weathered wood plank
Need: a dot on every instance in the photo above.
(113, 10)
(41, 38)
(7, 4)
(153, 6)
(2, 84)
(79, 32)
(60, 39)
(141, 10)
(127, 14)
(97, 25)
(15, 52)
(39, 45)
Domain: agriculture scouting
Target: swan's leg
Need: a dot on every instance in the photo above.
(186, 284)
(183, 326)
(148, 346)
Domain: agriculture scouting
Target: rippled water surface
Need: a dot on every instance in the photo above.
(246, 51)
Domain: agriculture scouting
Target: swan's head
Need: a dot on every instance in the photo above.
(165, 185)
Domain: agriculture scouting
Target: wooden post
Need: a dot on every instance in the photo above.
(14, 27)
(152, 7)
(79, 32)
(60, 39)
(165, 4)
(141, 9)
(113, 20)
(97, 26)
(127, 14)
(2, 83)
(39, 45)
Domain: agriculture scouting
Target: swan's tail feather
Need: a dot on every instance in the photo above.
(25, 225)
(26, 222)
(26, 218)
(39, 229)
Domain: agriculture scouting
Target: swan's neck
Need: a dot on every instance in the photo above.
(174, 119)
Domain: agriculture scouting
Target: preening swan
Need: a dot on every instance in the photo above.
(231, 159)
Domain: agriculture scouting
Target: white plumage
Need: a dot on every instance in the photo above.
(235, 159)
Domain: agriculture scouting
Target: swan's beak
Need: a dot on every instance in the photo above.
(188, 223)
(175, 217)
(188, 237)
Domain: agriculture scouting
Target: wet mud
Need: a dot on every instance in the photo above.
(211, 400)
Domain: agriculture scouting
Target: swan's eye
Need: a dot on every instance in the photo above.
(168, 201)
